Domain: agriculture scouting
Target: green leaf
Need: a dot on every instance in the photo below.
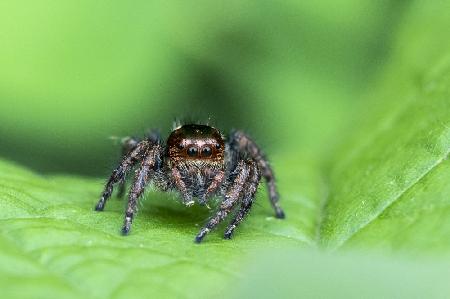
(53, 241)
(406, 153)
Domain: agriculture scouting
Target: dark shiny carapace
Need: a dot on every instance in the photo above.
(197, 142)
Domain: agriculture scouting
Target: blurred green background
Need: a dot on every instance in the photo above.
(291, 73)
(319, 84)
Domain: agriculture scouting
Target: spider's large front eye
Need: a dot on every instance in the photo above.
(206, 151)
(192, 151)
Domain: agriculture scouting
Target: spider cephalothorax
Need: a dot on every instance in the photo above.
(196, 159)
(199, 163)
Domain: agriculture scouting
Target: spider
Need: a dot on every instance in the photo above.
(199, 163)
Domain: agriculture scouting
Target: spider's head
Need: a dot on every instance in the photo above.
(196, 143)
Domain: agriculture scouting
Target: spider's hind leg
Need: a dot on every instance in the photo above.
(150, 163)
(128, 145)
(119, 173)
(242, 143)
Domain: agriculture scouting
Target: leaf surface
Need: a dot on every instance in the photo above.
(53, 241)
(392, 164)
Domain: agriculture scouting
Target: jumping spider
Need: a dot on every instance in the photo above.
(198, 162)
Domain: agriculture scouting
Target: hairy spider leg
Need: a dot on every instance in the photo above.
(119, 173)
(213, 186)
(181, 185)
(128, 145)
(244, 144)
(150, 163)
(231, 198)
(249, 191)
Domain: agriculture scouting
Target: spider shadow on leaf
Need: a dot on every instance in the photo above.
(167, 209)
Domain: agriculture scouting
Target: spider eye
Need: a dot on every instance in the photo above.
(192, 151)
(206, 151)
(180, 146)
(217, 145)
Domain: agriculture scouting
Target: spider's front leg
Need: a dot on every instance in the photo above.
(231, 198)
(150, 163)
(119, 173)
(241, 143)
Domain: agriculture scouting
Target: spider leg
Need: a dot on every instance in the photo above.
(119, 173)
(178, 180)
(128, 145)
(248, 196)
(230, 200)
(242, 143)
(149, 164)
(214, 185)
